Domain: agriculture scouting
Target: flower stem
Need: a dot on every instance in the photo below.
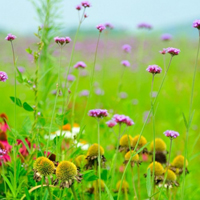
(73, 192)
(134, 189)
(139, 192)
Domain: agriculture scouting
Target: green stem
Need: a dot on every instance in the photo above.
(73, 192)
(99, 160)
(139, 192)
(134, 189)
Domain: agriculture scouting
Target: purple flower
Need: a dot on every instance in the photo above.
(100, 27)
(123, 95)
(84, 93)
(109, 25)
(171, 134)
(21, 69)
(126, 48)
(123, 119)
(10, 37)
(196, 24)
(85, 16)
(164, 51)
(144, 25)
(85, 4)
(80, 64)
(125, 63)
(3, 76)
(99, 91)
(78, 7)
(173, 51)
(62, 40)
(166, 37)
(70, 77)
(98, 113)
(154, 69)
(111, 123)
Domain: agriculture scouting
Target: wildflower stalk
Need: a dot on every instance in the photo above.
(139, 192)
(73, 192)
(189, 119)
(96, 169)
(121, 80)
(123, 175)
(125, 194)
(134, 189)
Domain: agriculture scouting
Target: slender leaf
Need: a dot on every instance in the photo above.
(17, 101)
(27, 107)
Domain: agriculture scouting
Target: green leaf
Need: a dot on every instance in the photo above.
(148, 182)
(60, 118)
(27, 194)
(20, 79)
(46, 194)
(185, 120)
(104, 174)
(9, 184)
(17, 101)
(27, 107)
(29, 50)
(108, 192)
(90, 176)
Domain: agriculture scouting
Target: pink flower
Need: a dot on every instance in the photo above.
(164, 51)
(111, 123)
(70, 77)
(80, 64)
(196, 24)
(100, 27)
(3, 76)
(10, 37)
(125, 63)
(4, 157)
(62, 40)
(99, 113)
(85, 15)
(84, 93)
(144, 25)
(123, 119)
(109, 25)
(171, 134)
(173, 51)
(23, 150)
(85, 4)
(126, 48)
(78, 7)
(166, 37)
(154, 69)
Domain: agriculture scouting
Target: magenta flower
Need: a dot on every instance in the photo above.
(109, 25)
(154, 69)
(164, 51)
(171, 134)
(126, 48)
(100, 27)
(80, 64)
(173, 51)
(84, 93)
(85, 16)
(123, 119)
(4, 157)
(144, 25)
(166, 37)
(111, 123)
(10, 37)
(85, 4)
(70, 77)
(196, 24)
(99, 113)
(125, 63)
(62, 40)
(21, 69)
(3, 76)
(99, 91)
(78, 7)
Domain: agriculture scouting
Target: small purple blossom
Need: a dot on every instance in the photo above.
(125, 63)
(144, 25)
(99, 91)
(109, 25)
(123, 95)
(62, 40)
(3, 76)
(154, 69)
(80, 64)
(85, 16)
(173, 51)
(166, 37)
(98, 113)
(196, 24)
(84, 93)
(111, 123)
(85, 4)
(70, 77)
(164, 51)
(21, 69)
(123, 119)
(100, 27)
(10, 37)
(171, 134)
(78, 7)
(126, 48)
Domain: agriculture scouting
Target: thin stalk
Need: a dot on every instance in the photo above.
(49, 190)
(125, 194)
(99, 160)
(134, 189)
(73, 192)
(121, 80)
(164, 61)
(96, 182)
(139, 191)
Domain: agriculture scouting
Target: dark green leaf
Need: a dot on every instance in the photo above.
(17, 101)
(27, 107)
(29, 50)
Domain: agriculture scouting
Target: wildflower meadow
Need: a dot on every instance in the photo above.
(100, 115)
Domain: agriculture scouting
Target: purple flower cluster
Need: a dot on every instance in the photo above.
(164, 51)
(100, 27)
(120, 119)
(3, 76)
(84, 93)
(111, 123)
(173, 51)
(70, 77)
(154, 69)
(85, 4)
(125, 63)
(126, 48)
(196, 24)
(171, 134)
(80, 64)
(109, 25)
(62, 40)
(166, 37)
(10, 37)
(144, 25)
(99, 113)
(78, 7)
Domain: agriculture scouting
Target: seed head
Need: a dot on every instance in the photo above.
(141, 143)
(134, 158)
(171, 176)
(125, 186)
(93, 150)
(159, 170)
(178, 162)
(160, 145)
(80, 161)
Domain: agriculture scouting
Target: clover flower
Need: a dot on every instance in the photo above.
(134, 159)
(164, 51)
(3, 76)
(126, 48)
(80, 64)
(62, 40)
(111, 123)
(85, 4)
(10, 37)
(173, 51)
(100, 27)
(125, 143)
(196, 24)
(166, 37)
(145, 26)
(171, 134)
(99, 113)
(125, 63)
(154, 69)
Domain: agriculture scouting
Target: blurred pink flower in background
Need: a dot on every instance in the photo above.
(3, 76)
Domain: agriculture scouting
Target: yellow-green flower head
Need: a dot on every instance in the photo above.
(159, 170)
(171, 176)
(160, 145)
(125, 141)
(178, 162)
(66, 171)
(125, 185)
(80, 161)
(134, 158)
(44, 166)
(93, 150)
(102, 184)
(141, 143)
